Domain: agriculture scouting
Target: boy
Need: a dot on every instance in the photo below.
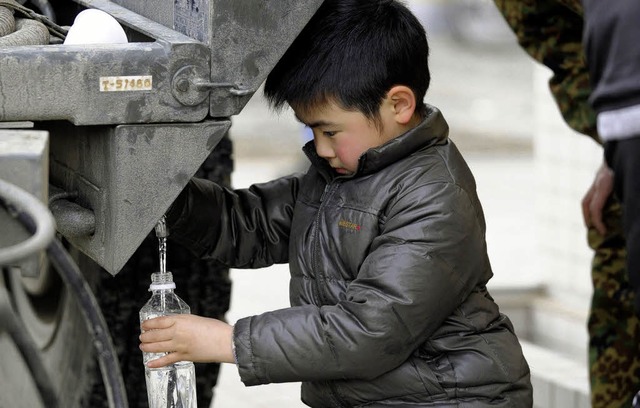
(384, 236)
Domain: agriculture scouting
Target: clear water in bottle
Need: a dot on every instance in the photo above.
(173, 386)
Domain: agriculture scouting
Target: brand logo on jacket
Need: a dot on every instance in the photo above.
(349, 226)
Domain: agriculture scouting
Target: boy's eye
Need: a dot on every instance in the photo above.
(329, 133)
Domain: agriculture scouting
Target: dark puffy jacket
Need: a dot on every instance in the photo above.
(388, 274)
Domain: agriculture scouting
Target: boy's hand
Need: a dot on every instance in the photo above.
(187, 338)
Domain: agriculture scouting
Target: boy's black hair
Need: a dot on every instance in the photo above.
(353, 52)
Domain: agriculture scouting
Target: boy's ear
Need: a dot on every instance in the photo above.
(403, 103)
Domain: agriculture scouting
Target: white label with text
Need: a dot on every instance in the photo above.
(126, 83)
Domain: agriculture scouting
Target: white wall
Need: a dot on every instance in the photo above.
(565, 164)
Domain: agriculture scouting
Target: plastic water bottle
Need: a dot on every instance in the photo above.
(172, 386)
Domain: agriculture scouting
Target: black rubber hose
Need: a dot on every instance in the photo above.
(72, 276)
(107, 357)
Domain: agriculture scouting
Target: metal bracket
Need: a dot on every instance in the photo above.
(234, 89)
(189, 87)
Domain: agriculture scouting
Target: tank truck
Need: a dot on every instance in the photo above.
(96, 142)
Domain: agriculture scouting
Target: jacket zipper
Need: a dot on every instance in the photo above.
(324, 193)
(328, 189)
(316, 244)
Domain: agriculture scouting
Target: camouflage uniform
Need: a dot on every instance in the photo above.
(551, 32)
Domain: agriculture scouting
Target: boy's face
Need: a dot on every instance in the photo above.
(342, 136)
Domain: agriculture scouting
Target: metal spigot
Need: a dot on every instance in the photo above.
(161, 228)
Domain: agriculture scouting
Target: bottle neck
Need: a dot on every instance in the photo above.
(166, 286)
(162, 281)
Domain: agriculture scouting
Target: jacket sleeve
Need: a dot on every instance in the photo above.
(428, 258)
(247, 228)
(550, 31)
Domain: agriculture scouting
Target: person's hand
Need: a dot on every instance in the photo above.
(596, 197)
(187, 338)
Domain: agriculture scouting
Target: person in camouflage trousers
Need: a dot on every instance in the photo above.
(551, 32)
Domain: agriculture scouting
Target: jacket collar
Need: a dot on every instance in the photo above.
(433, 130)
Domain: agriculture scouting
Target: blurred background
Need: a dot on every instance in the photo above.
(531, 171)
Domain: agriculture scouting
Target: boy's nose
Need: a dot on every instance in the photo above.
(323, 148)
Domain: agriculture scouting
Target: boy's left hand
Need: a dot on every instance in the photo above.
(187, 338)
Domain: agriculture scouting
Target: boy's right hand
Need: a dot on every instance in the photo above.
(187, 338)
